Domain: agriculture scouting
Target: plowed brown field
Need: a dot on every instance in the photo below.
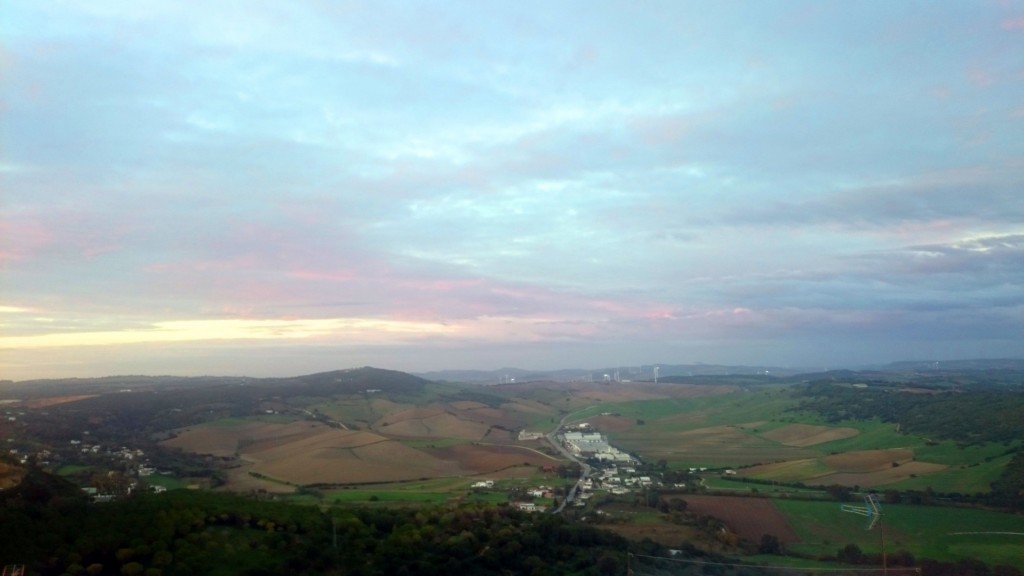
(311, 453)
(808, 435)
(486, 458)
(749, 517)
(865, 468)
(868, 460)
(884, 476)
(612, 423)
(55, 400)
(10, 475)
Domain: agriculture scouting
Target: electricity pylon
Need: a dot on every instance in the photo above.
(873, 511)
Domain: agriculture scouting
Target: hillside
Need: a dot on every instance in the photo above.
(386, 438)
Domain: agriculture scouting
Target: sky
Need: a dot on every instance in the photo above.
(284, 187)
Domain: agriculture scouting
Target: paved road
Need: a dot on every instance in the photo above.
(584, 467)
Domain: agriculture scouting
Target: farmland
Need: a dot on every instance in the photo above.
(389, 440)
(303, 453)
(747, 517)
(759, 433)
(927, 531)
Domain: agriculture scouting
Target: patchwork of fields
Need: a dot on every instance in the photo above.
(305, 453)
(754, 433)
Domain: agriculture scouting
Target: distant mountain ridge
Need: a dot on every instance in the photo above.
(614, 373)
(969, 364)
(356, 377)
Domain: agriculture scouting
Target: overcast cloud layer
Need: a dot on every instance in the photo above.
(286, 187)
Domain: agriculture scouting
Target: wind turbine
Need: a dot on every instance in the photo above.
(656, 368)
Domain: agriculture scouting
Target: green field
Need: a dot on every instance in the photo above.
(727, 484)
(727, 431)
(72, 469)
(238, 422)
(682, 414)
(969, 479)
(924, 531)
(408, 496)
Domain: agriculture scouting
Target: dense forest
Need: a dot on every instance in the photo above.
(965, 417)
(50, 527)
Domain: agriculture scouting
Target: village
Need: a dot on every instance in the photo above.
(602, 468)
(592, 466)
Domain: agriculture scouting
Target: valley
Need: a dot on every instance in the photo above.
(714, 463)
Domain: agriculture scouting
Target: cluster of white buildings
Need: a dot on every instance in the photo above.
(526, 506)
(594, 445)
(122, 453)
(524, 435)
(624, 479)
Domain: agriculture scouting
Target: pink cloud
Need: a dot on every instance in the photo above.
(979, 77)
(62, 232)
(1013, 24)
(23, 238)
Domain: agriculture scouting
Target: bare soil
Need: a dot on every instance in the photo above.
(750, 518)
(863, 461)
(486, 458)
(808, 435)
(54, 400)
(884, 476)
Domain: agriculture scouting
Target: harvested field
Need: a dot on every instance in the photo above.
(55, 400)
(712, 445)
(465, 420)
(468, 405)
(303, 452)
(863, 461)
(491, 417)
(10, 475)
(788, 471)
(239, 479)
(205, 440)
(433, 423)
(528, 407)
(866, 468)
(385, 461)
(499, 436)
(808, 435)
(612, 423)
(344, 457)
(486, 458)
(314, 439)
(884, 476)
(750, 518)
(218, 440)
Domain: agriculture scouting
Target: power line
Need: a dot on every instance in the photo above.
(767, 566)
